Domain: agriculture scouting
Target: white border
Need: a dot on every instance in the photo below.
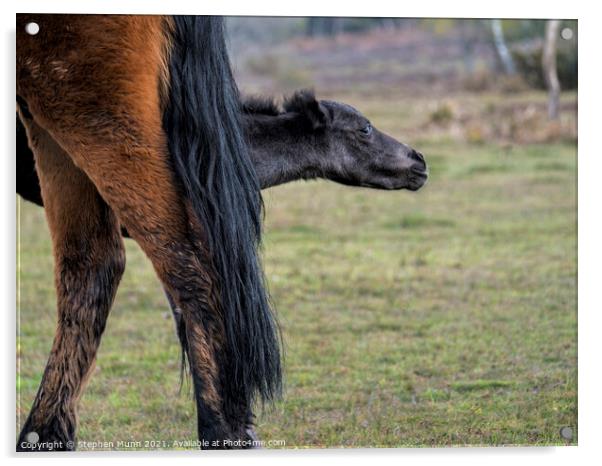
(423, 8)
(590, 164)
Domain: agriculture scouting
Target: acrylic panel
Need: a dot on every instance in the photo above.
(340, 232)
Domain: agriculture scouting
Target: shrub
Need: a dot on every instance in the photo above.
(528, 63)
(442, 115)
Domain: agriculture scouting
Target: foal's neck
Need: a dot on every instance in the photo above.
(281, 149)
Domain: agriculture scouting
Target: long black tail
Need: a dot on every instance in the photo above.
(202, 119)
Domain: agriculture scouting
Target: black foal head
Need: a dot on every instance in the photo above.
(356, 153)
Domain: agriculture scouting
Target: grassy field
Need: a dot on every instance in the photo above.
(442, 317)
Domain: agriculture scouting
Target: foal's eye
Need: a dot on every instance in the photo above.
(366, 130)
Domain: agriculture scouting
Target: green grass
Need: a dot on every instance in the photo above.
(442, 317)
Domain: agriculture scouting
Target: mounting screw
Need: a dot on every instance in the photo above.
(32, 28)
(566, 433)
(566, 34)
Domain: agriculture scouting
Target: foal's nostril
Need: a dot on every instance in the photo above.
(417, 156)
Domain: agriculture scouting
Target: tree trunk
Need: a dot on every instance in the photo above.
(501, 48)
(548, 63)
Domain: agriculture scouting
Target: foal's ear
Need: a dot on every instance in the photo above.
(305, 103)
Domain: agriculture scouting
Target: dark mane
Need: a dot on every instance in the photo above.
(300, 101)
(260, 105)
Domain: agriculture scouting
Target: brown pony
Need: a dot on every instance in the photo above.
(135, 121)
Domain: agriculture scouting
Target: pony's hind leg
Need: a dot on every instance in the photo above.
(89, 261)
(156, 217)
(136, 181)
(112, 128)
(181, 332)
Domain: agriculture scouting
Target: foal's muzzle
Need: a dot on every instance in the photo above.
(418, 171)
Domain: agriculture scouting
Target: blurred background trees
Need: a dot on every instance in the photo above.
(509, 47)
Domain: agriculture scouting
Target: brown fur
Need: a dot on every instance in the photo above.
(93, 85)
(89, 262)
